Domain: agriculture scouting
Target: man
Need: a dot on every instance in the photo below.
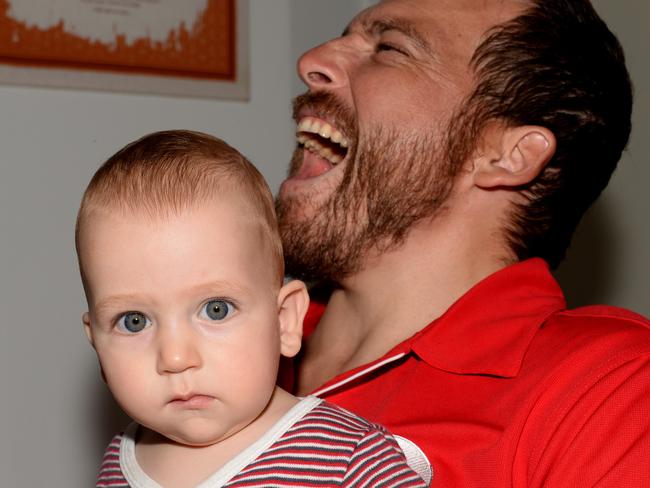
(447, 150)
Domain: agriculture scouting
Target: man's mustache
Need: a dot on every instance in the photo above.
(327, 105)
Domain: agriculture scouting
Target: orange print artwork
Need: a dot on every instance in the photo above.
(202, 48)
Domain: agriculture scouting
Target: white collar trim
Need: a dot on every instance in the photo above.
(358, 374)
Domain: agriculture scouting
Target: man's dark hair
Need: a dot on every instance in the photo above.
(558, 66)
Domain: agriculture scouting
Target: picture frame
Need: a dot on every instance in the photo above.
(194, 48)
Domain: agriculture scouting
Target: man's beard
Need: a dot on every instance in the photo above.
(392, 180)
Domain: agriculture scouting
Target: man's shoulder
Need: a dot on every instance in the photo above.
(584, 418)
(589, 358)
(593, 336)
(609, 314)
(600, 323)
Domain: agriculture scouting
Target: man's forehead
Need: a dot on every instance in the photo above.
(438, 14)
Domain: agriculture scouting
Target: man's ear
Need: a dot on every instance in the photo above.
(85, 318)
(293, 301)
(513, 156)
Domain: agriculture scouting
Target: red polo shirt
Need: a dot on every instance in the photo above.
(510, 389)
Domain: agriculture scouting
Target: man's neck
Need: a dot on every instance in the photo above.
(397, 294)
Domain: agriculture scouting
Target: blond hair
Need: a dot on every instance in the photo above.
(166, 172)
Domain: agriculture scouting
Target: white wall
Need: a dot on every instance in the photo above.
(55, 415)
(609, 261)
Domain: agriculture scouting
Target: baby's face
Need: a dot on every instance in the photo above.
(183, 315)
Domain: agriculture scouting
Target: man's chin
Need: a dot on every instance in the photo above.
(311, 190)
(301, 201)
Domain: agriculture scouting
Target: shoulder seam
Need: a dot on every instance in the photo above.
(631, 318)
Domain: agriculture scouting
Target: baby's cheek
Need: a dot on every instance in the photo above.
(124, 377)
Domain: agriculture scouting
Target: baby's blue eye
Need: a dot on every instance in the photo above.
(132, 322)
(217, 309)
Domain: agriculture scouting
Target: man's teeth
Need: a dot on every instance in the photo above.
(315, 147)
(323, 129)
(326, 131)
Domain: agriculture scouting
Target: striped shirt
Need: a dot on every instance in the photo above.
(316, 444)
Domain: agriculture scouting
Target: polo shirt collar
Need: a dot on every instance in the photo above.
(489, 329)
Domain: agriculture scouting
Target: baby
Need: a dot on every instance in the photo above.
(182, 268)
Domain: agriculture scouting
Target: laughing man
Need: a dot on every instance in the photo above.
(447, 151)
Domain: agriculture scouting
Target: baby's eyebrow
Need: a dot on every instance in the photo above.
(211, 288)
(114, 301)
(217, 288)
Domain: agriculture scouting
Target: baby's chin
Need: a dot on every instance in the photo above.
(190, 436)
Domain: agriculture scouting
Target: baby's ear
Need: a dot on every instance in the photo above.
(85, 318)
(293, 301)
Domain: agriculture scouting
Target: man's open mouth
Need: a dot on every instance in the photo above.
(322, 139)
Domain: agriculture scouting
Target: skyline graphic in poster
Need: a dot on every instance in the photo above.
(104, 21)
(191, 38)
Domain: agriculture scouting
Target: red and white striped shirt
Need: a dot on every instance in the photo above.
(316, 444)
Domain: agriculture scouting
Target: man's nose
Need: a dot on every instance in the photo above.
(324, 67)
(178, 349)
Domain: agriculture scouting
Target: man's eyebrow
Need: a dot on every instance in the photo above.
(378, 26)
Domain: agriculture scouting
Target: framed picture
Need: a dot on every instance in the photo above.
(178, 47)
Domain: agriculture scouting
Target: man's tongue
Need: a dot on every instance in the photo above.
(312, 166)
